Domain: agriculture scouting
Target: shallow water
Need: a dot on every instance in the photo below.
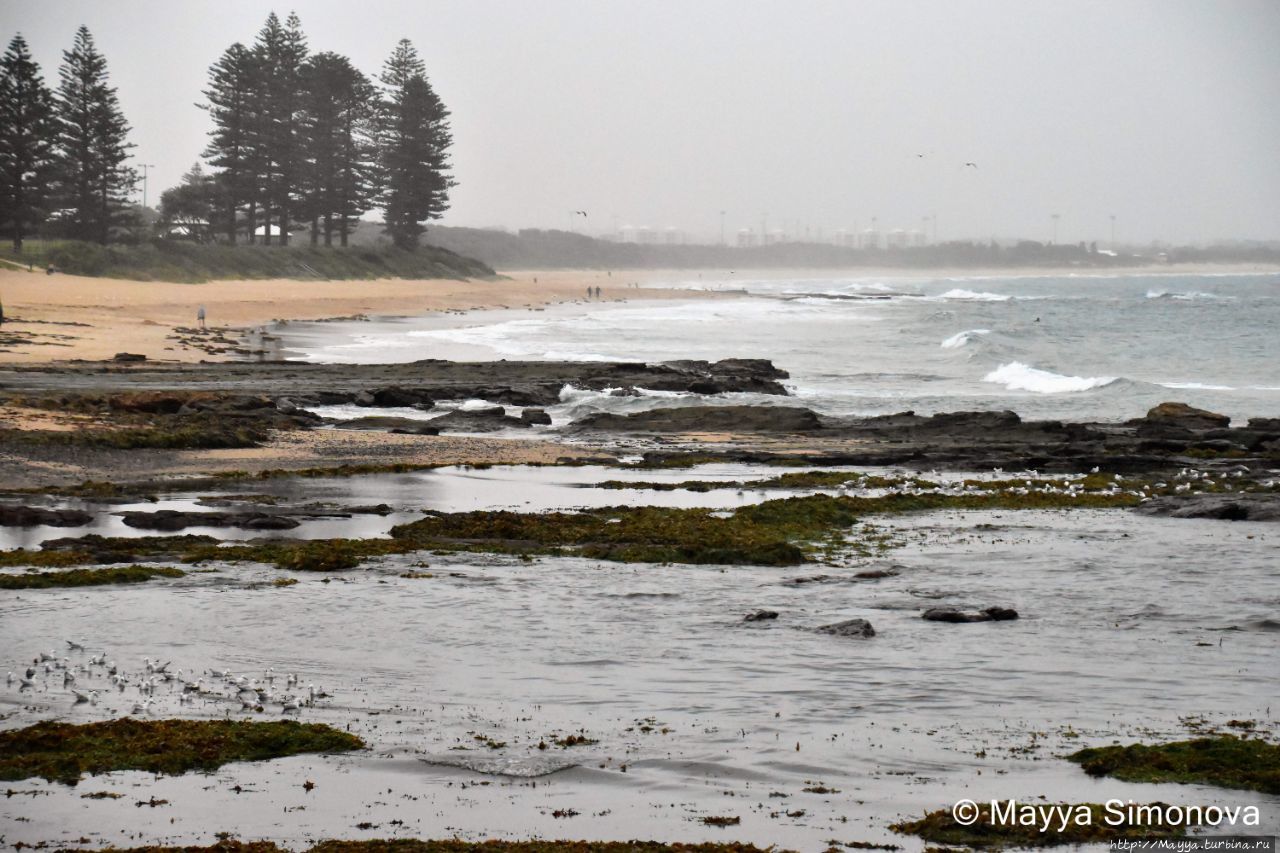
(1090, 346)
(1129, 623)
(451, 489)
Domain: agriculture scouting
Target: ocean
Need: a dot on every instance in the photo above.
(1087, 346)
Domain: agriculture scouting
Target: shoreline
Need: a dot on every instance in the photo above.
(60, 318)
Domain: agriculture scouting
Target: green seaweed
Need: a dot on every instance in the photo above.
(941, 827)
(63, 752)
(1225, 761)
(88, 577)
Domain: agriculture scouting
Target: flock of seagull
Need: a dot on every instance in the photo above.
(96, 678)
(1184, 481)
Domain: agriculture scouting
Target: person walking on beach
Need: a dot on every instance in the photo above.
(588, 291)
(597, 291)
(200, 316)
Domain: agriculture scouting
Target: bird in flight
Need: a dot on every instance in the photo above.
(580, 212)
(974, 165)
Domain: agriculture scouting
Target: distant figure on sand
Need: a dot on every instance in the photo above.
(597, 291)
(200, 316)
(588, 291)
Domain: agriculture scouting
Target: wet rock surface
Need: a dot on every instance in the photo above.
(734, 419)
(35, 516)
(389, 424)
(420, 383)
(761, 616)
(951, 614)
(492, 419)
(169, 520)
(848, 628)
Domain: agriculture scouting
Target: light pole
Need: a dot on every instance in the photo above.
(145, 167)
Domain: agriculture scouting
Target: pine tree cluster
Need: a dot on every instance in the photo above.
(308, 138)
(298, 139)
(64, 153)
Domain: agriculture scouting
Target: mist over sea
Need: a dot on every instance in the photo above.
(1105, 347)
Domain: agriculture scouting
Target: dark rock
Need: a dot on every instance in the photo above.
(755, 419)
(478, 420)
(286, 406)
(128, 357)
(170, 519)
(1176, 419)
(375, 509)
(396, 396)
(365, 398)
(951, 614)
(849, 628)
(760, 616)
(876, 574)
(34, 516)
(535, 417)
(1240, 507)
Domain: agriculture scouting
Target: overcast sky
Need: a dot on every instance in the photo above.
(801, 114)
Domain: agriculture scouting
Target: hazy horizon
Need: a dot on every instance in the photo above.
(809, 116)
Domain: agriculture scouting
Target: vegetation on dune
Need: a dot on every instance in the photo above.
(88, 577)
(941, 827)
(63, 752)
(168, 260)
(1226, 761)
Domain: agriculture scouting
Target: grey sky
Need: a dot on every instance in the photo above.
(1162, 112)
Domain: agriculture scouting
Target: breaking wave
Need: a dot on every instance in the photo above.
(1017, 376)
(961, 338)
(977, 296)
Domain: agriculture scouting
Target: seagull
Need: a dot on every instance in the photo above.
(9, 681)
(974, 165)
(81, 696)
(74, 646)
(290, 704)
(142, 707)
(26, 684)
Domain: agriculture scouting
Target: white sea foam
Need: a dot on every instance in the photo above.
(961, 338)
(1195, 386)
(1017, 376)
(975, 295)
(1189, 296)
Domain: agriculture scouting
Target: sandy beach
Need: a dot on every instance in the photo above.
(63, 317)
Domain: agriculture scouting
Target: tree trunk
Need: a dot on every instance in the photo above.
(328, 228)
(253, 222)
(315, 231)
